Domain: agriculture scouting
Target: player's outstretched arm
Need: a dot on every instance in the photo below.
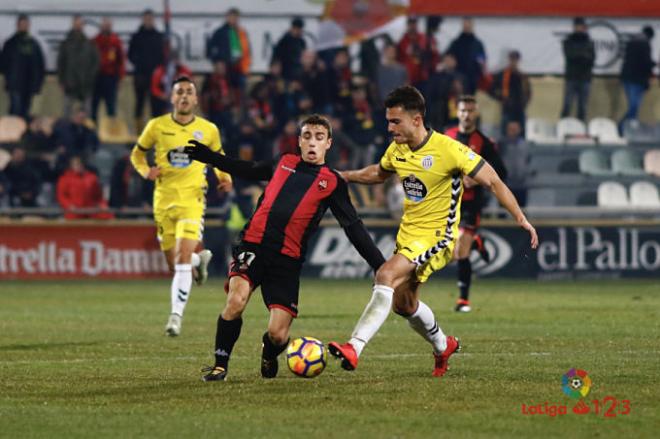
(241, 168)
(372, 174)
(487, 177)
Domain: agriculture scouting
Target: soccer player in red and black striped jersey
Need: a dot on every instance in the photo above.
(273, 243)
(473, 195)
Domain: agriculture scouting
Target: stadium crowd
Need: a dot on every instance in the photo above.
(52, 163)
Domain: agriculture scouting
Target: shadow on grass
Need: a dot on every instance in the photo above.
(46, 346)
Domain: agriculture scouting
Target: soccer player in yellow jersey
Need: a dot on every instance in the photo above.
(180, 187)
(431, 167)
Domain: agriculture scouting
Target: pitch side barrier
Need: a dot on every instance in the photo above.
(127, 249)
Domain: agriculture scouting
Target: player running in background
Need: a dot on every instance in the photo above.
(431, 167)
(179, 194)
(473, 194)
(274, 242)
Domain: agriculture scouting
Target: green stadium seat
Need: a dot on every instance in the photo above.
(595, 163)
(625, 162)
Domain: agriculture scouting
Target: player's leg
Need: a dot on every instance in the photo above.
(390, 275)
(462, 255)
(275, 341)
(280, 289)
(229, 326)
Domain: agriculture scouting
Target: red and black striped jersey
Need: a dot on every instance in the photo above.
(486, 148)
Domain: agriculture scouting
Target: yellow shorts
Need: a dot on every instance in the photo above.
(413, 245)
(179, 217)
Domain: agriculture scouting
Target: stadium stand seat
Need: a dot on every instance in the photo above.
(625, 162)
(540, 131)
(594, 163)
(113, 130)
(612, 194)
(637, 132)
(604, 130)
(542, 197)
(644, 194)
(573, 131)
(652, 162)
(11, 129)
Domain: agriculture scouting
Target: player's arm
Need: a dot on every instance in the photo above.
(372, 174)
(225, 182)
(240, 168)
(485, 175)
(344, 211)
(139, 153)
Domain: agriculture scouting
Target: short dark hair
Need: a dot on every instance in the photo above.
(317, 119)
(648, 32)
(298, 22)
(182, 79)
(579, 21)
(466, 99)
(22, 17)
(407, 97)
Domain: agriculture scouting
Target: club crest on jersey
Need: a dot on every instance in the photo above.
(427, 162)
(178, 158)
(198, 135)
(414, 188)
(323, 185)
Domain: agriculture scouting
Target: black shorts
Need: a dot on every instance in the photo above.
(470, 216)
(277, 274)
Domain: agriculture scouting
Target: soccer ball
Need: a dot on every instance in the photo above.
(306, 357)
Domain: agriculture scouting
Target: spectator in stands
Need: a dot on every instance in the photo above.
(72, 136)
(636, 72)
(4, 189)
(444, 87)
(470, 56)
(314, 80)
(512, 89)
(79, 188)
(260, 111)
(37, 141)
(112, 68)
(24, 180)
(341, 78)
(22, 64)
(77, 65)
(344, 151)
(579, 55)
(287, 142)
(146, 52)
(161, 83)
(516, 157)
(230, 44)
(289, 50)
(413, 48)
(390, 74)
(217, 100)
(128, 188)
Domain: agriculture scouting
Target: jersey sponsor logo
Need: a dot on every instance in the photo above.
(198, 135)
(286, 168)
(400, 159)
(178, 158)
(414, 188)
(323, 185)
(427, 162)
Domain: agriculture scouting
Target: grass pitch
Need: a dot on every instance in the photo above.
(89, 359)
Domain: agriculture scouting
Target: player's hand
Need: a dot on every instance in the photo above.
(532, 231)
(225, 186)
(198, 151)
(153, 173)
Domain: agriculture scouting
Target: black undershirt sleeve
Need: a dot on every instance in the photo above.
(342, 208)
(249, 170)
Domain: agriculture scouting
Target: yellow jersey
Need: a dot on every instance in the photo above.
(166, 135)
(431, 175)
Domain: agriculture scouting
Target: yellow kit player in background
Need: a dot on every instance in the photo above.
(179, 195)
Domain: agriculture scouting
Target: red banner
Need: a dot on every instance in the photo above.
(80, 251)
(552, 8)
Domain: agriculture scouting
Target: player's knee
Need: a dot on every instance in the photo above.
(404, 309)
(278, 334)
(236, 303)
(384, 275)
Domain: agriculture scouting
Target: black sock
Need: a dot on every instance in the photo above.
(464, 277)
(225, 339)
(271, 350)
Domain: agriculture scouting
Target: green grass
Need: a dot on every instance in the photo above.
(89, 359)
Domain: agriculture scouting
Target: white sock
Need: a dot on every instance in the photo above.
(194, 260)
(373, 317)
(423, 322)
(181, 284)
